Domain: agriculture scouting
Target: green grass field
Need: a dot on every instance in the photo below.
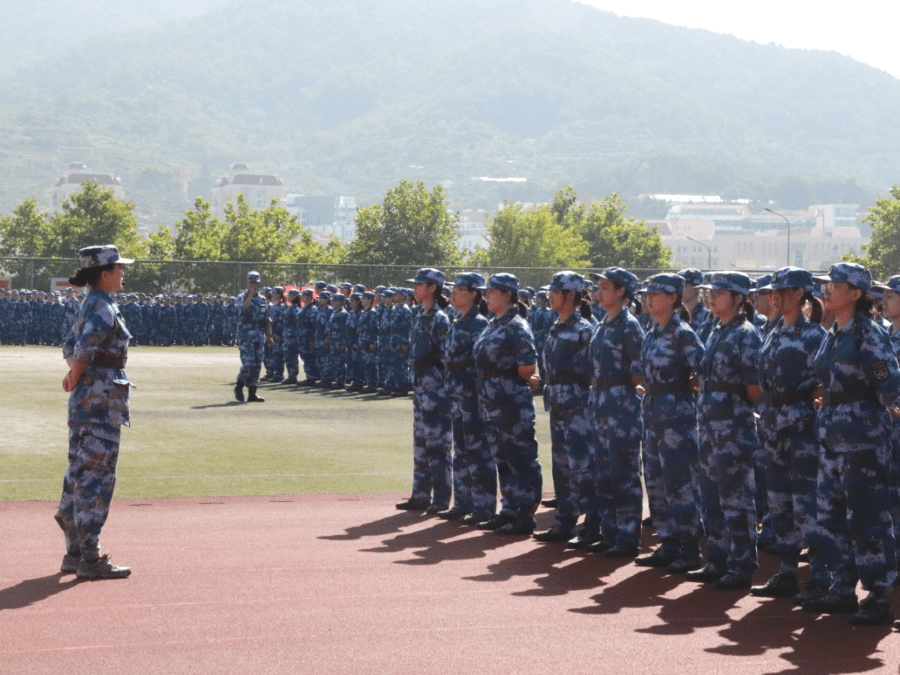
(188, 437)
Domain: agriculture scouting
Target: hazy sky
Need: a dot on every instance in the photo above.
(865, 30)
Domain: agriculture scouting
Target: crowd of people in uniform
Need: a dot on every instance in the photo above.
(759, 413)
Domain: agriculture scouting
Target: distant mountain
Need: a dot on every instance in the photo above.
(355, 94)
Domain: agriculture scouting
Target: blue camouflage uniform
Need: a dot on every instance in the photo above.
(474, 471)
(432, 437)
(98, 407)
(670, 355)
(508, 408)
(860, 378)
(728, 439)
(252, 336)
(787, 428)
(615, 408)
(566, 391)
(367, 341)
(307, 321)
(398, 334)
(290, 338)
(334, 373)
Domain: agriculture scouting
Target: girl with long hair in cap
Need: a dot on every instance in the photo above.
(615, 410)
(474, 471)
(729, 391)
(671, 354)
(788, 379)
(567, 383)
(860, 380)
(432, 438)
(96, 351)
(505, 358)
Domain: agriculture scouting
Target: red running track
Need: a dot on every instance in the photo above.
(346, 584)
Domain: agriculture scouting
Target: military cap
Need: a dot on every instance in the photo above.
(429, 275)
(851, 273)
(737, 282)
(356, 296)
(763, 283)
(380, 289)
(325, 294)
(307, 291)
(320, 285)
(293, 293)
(278, 289)
(359, 288)
(471, 279)
(691, 275)
(620, 277)
(347, 286)
(253, 276)
(665, 282)
(567, 281)
(504, 282)
(892, 284)
(338, 297)
(368, 295)
(100, 256)
(790, 277)
(332, 288)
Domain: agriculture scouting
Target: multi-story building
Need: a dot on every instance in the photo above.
(329, 215)
(72, 181)
(258, 189)
(730, 236)
(473, 230)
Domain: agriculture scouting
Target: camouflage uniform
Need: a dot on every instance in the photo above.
(508, 411)
(98, 407)
(474, 471)
(566, 391)
(670, 354)
(252, 336)
(615, 406)
(432, 436)
(398, 338)
(728, 444)
(335, 371)
(290, 340)
(307, 321)
(367, 340)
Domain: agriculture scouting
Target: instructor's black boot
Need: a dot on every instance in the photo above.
(253, 398)
(239, 391)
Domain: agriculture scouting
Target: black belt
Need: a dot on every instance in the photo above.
(604, 383)
(106, 360)
(423, 364)
(460, 365)
(490, 373)
(572, 378)
(788, 397)
(838, 397)
(668, 388)
(723, 388)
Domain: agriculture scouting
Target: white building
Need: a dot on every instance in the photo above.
(73, 180)
(473, 230)
(729, 236)
(328, 215)
(258, 189)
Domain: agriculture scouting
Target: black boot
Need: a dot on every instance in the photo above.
(239, 391)
(253, 398)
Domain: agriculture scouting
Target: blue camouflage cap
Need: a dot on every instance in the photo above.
(691, 275)
(665, 282)
(471, 279)
(620, 277)
(331, 288)
(100, 256)
(347, 286)
(359, 288)
(428, 275)
(338, 297)
(892, 284)
(320, 285)
(279, 290)
(307, 291)
(790, 277)
(541, 294)
(737, 282)
(762, 283)
(504, 282)
(567, 281)
(293, 293)
(380, 289)
(325, 294)
(368, 295)
(356, 296)
(526, 293)
(253, 276)
(850, 273)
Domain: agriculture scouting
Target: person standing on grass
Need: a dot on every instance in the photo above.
(255, 332)
(96, 350)
(431, 490)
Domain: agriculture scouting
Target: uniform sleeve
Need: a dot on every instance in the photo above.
(880, 364)
(749, 355)
(691, 348)
(523, 345)
(633, 338)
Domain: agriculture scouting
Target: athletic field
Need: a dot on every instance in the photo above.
(263, 539)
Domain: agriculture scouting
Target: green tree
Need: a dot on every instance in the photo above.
(616, 240)
(26, 232)
(411, 227)
(882, 253)
(534, 238)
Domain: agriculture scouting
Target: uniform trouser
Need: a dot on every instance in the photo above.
(311, 364)
(619, 493)
(398, 376)
(275, 366)
(384, 366)
(728, 450)
(369, 367)
(336, 370)
(792, 466)
(291, 354)
(895, 477)
(431, 439)
(354, 366)
(510, 435)
(474, 471)
(670, 473)
(574, 469)
(854, 519)
(88, 487)
(252, 353)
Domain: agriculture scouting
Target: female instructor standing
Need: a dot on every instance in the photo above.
(96, 351)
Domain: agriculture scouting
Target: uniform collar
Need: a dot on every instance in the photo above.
(510, 314)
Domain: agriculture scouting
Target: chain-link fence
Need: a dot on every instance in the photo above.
(157, 276)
